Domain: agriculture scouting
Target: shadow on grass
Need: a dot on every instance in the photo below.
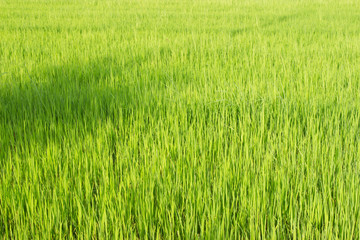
(74, 92)
(74, 96)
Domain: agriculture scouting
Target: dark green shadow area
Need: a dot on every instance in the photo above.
(78, 97)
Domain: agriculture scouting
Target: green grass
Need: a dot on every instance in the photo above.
(179, 119)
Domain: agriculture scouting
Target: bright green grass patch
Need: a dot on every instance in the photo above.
(179, 119)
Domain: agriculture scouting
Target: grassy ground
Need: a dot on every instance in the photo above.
(179, 119)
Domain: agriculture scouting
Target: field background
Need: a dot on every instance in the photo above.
(179, 119)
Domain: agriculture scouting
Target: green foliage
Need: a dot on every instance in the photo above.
(179, 119)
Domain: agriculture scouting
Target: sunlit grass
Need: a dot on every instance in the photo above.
(179, 119)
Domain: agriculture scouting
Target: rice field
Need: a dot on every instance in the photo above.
(182, 119)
